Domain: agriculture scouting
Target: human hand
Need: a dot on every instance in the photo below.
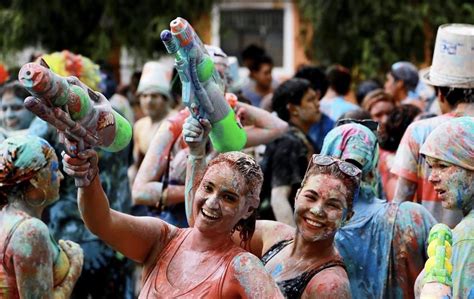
(83, 167)
(195, 133)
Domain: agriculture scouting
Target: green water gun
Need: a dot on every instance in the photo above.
(203, 88)
(84, 118)
(438, 267)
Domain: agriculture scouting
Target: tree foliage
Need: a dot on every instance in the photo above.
(92, 27)
(370, 35)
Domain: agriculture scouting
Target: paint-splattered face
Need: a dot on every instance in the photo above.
(321, 207)
(220, 200)
(15, 115)
(48, 180)
(154, 104)
(454, 184)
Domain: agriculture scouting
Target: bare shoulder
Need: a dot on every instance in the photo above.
(329, 283)
(272, 232)
(31, 236)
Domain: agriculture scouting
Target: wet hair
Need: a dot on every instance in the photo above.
(352, 183)
(259, 61)
(289, 92)
(14, 88)
(359, 114)
(364, 88)
(455, 96)
(339, 78)
(253, 176)
(397, 123)
(316, 76)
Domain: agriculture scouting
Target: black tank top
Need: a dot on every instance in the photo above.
(294, 287)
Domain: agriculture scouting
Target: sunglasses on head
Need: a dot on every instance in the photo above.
(346, 167)
(368, 123)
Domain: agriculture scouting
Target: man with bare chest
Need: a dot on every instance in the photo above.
(156, 103)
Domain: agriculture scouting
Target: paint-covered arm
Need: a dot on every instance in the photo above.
(134, 237)
(33, 259)
(250, 279)
(148, 188)
(75, 256)
(262, 127)
(327, 284)
(195, 133)
(405, 190)
(281, 205)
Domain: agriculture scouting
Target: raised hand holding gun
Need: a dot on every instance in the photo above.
(203, 89)
(84, 118)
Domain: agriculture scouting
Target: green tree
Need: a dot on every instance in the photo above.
(370, 35)
(92, 27)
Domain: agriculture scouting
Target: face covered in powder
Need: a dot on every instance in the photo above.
(15, 115)
(220, 200)
(321, 207)
(48, 179)
(454, 184)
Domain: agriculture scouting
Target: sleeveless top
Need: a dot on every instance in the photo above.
(157, 285)
(294, 287)
(8, 283)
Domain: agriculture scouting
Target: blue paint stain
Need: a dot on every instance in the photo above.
(54, 169)
(278, 269)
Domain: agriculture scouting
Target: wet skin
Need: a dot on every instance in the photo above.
(219, 202)
(453, 185)
(15, 115)
(321, 207)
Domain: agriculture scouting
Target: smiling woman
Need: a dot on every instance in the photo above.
(15, 115)
(195, 262)
(303, 261)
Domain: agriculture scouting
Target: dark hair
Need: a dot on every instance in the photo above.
(253, 176)
(339, 79)
(359, 114)
(455, 96)
(259, 61)
(289, 92)
(365, 87)
(15, 88)
(252, 51)
(316, 76)
(397, 123)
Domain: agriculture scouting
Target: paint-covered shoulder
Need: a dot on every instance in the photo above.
(329, 283)
(31, 236)
(272, 232)
(254, 280)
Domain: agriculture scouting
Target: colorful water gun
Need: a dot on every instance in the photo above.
(84, 118)
(203, 88)
(438, 268)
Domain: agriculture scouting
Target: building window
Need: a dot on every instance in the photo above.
(240, 28)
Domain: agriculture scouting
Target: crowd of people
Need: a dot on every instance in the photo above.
(333, 195)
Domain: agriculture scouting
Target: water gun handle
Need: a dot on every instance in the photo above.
(72, 134)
